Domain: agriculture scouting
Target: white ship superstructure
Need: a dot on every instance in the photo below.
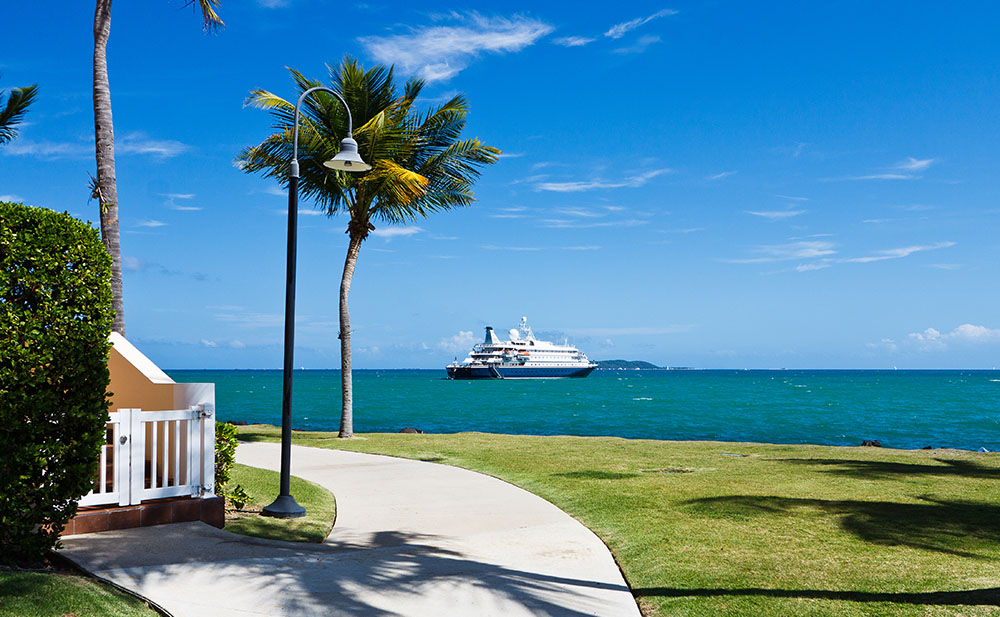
(522, 356)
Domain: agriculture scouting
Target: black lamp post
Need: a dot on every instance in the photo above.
(347, 159)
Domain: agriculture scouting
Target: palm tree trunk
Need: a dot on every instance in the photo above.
(346, 386)
(104, 139)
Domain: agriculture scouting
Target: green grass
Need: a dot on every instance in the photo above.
(32, 594)
(778, 530)
(262, 486)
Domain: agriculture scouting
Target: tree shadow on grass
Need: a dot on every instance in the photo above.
(883, 470)
(971, 597)
(953, 527)
(372, 575)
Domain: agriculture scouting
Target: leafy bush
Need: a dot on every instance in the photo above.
(55, 316)
(225, 454)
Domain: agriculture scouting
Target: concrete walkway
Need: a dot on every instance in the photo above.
(411, 538)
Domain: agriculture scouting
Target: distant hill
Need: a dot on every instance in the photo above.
(624, 364)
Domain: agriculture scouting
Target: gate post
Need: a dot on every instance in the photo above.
(137, 456)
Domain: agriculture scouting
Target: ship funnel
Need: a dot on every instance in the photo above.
(491, 336)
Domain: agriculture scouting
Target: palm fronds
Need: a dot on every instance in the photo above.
(13, 112)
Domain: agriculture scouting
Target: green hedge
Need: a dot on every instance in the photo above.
(55, 316)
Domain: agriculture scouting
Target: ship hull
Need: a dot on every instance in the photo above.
(473, 371)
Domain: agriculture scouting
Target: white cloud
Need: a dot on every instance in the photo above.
(573, 41)
(133, 263)
(510, 155)
(967, 333)
(138, 143)
(581, 212)
(899, 253)
(720, 175)
(776, 215)
(580, 248)
(811, 267)
(886, 176)
(237, 344)
(617, 31)
(207, 343)
(437, 53)
(574, 187)
(792, 250)
(179, 195)
(792, 198)
(458, 343)
(49, 149)
(396, 232)
(912, 164)
(640, 46)
(576, 224)
(273, 4)
(151, 223)
(11, 198)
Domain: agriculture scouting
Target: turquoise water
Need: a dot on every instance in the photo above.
(902, 409)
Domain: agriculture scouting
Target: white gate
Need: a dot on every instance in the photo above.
(155, 454)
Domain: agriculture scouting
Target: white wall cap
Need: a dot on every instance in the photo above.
(136, 358)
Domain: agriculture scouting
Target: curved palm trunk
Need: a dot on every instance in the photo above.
(346, 386)
(104, 139)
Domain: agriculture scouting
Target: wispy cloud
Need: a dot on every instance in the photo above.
(578, 224)
(173, 205)
(574, 187)
(640, 46)
(789, 251)
(776, 215)
(573, 41)
(510, 155)
(49, 149)
(885, 176)
(151, 223)
(396, 232)
(899, 253)
(912, 164)
(720, 175)
(581, 248)
(273, 4)
(617, 31)
(139, 143)
(437, 53)
(789, 197)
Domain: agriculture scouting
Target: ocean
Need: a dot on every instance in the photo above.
(901, 409)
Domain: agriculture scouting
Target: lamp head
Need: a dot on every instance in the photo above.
(348, 158)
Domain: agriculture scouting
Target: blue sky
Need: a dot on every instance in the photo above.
(701, 184)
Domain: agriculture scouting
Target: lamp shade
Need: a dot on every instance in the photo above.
(348, 158)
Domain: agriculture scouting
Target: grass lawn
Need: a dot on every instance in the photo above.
(710, 529)
(31, 594)
(262, 486)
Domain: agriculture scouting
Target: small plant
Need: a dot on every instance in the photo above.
(238, 497)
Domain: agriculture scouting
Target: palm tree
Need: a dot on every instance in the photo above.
(105, 188)
(420, 164)
(12, 113)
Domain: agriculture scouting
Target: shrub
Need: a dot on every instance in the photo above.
(55, 316)
(225, 454)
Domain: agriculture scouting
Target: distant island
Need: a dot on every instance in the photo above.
(617, 365)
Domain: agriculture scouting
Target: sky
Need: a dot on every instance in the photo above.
(704, 184)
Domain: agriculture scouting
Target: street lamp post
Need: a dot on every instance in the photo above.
(347, 159)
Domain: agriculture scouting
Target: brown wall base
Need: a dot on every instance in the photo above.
(210, 510)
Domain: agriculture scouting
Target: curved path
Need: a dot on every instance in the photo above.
(411, 538)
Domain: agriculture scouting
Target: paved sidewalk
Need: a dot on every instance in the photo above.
(411, 538)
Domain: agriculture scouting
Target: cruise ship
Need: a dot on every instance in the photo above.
(522, 356)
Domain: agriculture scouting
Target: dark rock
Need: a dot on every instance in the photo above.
(873, 443)
(927, 448)
(412, 430)
(239, 423)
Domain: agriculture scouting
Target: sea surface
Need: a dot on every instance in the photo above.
(901, 409)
